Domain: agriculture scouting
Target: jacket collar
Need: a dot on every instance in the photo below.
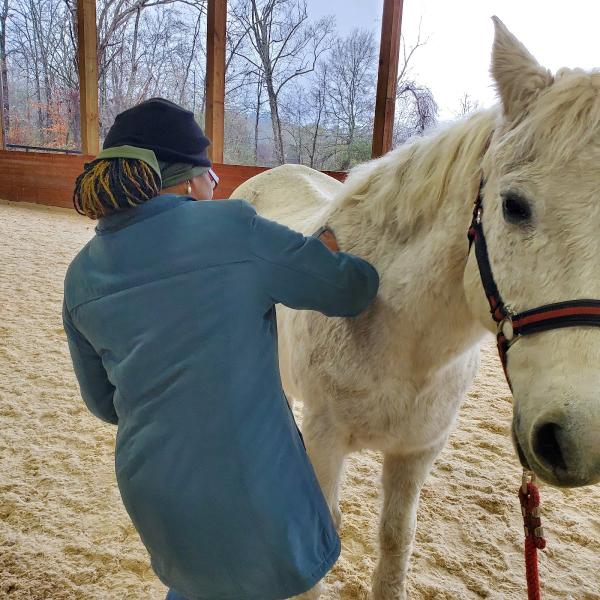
(130, 216)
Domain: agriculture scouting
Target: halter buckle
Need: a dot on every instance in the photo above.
(506, 328)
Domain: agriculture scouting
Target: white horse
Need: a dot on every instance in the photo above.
(393, 378)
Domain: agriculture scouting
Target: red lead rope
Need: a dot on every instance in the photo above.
(529, 497)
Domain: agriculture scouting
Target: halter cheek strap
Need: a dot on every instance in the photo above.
(511, 325)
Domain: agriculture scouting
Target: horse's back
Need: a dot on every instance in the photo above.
(294, 195)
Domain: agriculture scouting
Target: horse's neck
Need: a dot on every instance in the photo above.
(409, 192)
(408, 213)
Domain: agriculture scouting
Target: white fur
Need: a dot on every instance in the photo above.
(393, 378)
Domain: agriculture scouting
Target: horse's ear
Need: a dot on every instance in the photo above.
(519, 77)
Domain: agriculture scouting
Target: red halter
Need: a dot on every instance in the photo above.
(511, 325)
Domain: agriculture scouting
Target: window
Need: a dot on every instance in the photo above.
(40, 86)
(300, 86)
(148, 49)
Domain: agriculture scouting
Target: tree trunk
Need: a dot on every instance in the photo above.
(257, 119)
(38, 95)
(275, 121)
(203, 97)
(313, 151)
(41, 59)
(189, 63)
(134, 66)
(35, 52)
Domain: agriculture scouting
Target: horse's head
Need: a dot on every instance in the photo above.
(541, 220)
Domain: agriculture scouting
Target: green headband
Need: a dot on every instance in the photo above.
(174, 173)
(142, 154)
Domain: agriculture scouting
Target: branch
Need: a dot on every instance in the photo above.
(408, 57)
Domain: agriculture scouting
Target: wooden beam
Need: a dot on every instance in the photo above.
(3, 134)
(88, 76)
(387, 79)
(216, 31)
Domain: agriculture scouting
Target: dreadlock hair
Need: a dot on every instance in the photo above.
(110, 185)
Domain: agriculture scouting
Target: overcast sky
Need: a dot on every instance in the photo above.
(459, 36)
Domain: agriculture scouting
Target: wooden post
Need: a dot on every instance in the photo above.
(88, 76)
(3, 133)
(215, 77)
(387, 79)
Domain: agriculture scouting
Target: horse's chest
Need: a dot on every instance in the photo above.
(399, 414)
(377, 389)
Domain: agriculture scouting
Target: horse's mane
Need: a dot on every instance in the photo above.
(410, 183)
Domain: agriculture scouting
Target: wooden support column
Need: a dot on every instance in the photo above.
(215, 77)
(88, 76)
(387, 79)
(3, 134)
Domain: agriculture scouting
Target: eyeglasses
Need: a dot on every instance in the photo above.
(214, 178)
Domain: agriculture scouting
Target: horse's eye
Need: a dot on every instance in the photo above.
(515, 208)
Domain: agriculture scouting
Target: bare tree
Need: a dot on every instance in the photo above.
(186, 72)
(318, 99)
(115, 15)
(144, 47)
(239, 73)
(312, 132)
(40, 44)
(416, 108)
(285, 93)
(149, 48)
(294, 122)
(467, 105)
(244, 80)
(351, 90)
(284, 46)
(259, 103)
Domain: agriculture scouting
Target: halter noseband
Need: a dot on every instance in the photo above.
(511, 325)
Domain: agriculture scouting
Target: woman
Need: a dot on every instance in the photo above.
(170, 316)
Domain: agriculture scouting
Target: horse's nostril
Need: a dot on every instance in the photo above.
(547, 447)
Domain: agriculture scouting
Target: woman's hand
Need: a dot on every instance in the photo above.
(327, 236)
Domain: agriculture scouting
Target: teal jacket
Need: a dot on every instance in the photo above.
(170, 317)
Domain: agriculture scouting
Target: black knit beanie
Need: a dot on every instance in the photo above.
(167, 129)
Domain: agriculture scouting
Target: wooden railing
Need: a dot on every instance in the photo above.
(26, 148)
(46, 178)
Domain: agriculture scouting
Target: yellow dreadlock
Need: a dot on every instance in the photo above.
(112, 184)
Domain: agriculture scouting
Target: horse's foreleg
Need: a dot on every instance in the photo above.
(326, 450)
(403, 477)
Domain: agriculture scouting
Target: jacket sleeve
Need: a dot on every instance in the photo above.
(96, 390)
(302, 273)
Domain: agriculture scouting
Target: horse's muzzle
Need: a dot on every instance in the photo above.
(553, 456)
